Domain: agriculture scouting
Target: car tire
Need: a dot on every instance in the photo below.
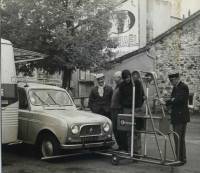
(48, 146)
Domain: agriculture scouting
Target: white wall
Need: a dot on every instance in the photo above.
(142, 23)
(138, 62)
(181, 7)
(158, 17)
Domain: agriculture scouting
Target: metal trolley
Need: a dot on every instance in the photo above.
(154, 125)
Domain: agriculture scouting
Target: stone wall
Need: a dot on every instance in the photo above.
(180, 50)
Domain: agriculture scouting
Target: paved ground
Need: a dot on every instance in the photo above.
(21, 159)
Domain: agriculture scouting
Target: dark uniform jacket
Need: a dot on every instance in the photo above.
(98, 104)
(179, 104)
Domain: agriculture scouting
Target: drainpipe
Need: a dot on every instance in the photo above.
(154, 69)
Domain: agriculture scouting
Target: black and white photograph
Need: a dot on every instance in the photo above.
(100, 86)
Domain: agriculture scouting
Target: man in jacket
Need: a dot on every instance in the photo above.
(100, 97)
(116, 109)
(179, 113)
(125, 96)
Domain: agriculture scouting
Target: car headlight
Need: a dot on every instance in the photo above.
(75, 129)
(106, 127)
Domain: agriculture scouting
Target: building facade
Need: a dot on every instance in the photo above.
(135, 22)
(177, 48)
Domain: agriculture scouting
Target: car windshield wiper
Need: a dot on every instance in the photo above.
(42, 101)
(53, 100)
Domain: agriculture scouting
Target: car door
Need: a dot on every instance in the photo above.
(24, 115)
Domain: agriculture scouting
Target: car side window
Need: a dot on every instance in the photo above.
(23, 102)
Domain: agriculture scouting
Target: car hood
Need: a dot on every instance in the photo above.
(77, 116)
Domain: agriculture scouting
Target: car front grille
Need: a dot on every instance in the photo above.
(89, 139)
(90, 130)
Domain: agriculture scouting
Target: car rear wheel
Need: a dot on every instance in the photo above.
(49, 146)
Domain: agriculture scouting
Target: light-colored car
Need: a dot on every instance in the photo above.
(49, 119)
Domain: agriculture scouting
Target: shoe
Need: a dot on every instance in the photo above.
(181, 163)
(184, 162)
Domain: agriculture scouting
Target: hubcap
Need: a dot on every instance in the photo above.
(47, 148)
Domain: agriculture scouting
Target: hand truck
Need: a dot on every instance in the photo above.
(126, 122)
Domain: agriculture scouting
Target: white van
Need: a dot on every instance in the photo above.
(9, 99)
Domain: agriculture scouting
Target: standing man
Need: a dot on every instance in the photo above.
(116, 109)
(125, 96)
(100, 97)
(179, 113)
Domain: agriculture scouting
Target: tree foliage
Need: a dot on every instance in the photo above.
(71, 32)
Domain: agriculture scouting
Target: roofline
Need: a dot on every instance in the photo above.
(174, 28)
(27, 55)
(156, 39)
(28, 60)
(128, 55)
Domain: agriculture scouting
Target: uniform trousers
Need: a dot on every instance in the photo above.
(180, 148)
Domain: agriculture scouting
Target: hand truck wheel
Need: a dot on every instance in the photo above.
(115, 159)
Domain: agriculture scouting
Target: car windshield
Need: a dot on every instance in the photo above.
(49, 97)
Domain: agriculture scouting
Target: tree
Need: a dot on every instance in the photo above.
(72, 33)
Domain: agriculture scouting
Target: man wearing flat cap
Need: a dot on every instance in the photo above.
(179, 113)
(100, 97)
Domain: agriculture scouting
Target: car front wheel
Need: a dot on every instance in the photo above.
(49, 146)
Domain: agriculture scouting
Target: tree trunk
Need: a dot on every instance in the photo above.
(66, 78)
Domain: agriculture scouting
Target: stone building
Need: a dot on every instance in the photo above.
(177, 48)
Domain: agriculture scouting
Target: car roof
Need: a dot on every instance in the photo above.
(31, 85)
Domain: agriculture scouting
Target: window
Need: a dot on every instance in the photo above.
(39, 97)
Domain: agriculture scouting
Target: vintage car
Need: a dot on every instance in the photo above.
(49, 119)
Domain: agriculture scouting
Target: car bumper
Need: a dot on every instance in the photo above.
(88, 145)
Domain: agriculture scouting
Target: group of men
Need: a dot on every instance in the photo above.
(110, 102)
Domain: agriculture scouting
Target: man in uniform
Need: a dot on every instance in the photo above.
(179, 113)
